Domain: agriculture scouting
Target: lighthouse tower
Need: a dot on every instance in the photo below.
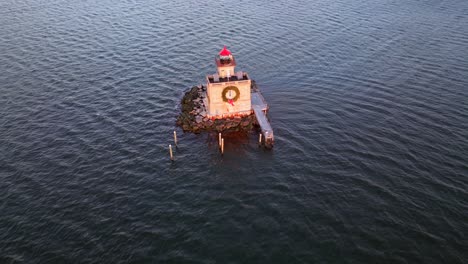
(228, 92)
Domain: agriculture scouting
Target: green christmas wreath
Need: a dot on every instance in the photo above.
(232, 88)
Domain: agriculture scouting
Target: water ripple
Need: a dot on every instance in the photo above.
(368, 103)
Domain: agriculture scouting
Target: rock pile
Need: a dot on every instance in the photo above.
(193, 115)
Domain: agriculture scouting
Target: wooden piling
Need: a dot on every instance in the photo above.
(219, 139)
(222, 146)
(175, 138)
(260, 139)
(170, 152)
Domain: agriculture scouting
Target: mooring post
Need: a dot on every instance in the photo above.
(266, 139)
(170, 152)
(175, 138)
(222, 146)
(260, 139)
(219, 139)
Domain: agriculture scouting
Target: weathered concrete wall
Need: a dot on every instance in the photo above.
(216, 105)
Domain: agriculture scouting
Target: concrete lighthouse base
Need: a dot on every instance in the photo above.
(193, 116)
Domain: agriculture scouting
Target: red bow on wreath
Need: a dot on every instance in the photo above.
(231, 102)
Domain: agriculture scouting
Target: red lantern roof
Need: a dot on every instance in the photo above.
(224, 52)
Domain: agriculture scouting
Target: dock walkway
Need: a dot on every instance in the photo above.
(260, 108)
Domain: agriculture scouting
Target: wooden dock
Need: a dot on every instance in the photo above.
(260, 108)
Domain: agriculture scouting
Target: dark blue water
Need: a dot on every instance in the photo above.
(369, 103)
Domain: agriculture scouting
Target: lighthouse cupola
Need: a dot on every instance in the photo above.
(225, 56)
(225, 63)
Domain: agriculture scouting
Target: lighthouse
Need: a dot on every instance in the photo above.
(228, 92)
(230, 101)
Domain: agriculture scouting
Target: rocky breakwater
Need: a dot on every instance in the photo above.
(193, 116)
